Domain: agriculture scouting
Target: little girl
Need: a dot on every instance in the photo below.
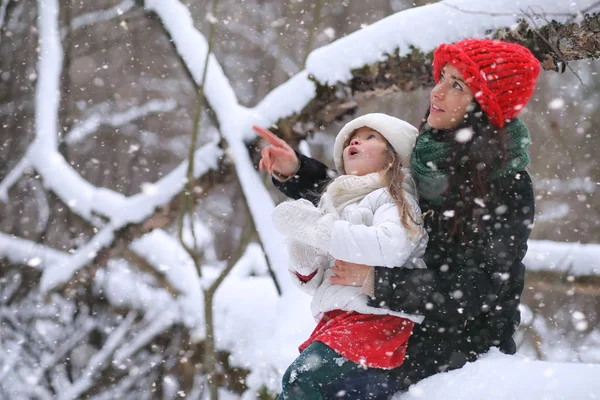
(368, 215)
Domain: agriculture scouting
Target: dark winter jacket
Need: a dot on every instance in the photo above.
(469, 294)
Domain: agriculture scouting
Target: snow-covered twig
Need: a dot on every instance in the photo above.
(158, 324)
(60, 273)
(21, 251)
(130, 380)
(93, 17)
(51, 359)
(100, 360)
(8, 362)
(553, 46)
(7, 292)
(3, 7)
(500, 14)
(88, 126)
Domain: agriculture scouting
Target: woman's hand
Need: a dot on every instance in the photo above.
(349, 274)
(278, 157)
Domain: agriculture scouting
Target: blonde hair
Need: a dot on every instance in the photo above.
(393, 177)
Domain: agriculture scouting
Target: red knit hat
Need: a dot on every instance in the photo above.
(501, 75)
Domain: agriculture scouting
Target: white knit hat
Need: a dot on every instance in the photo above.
(400, 134)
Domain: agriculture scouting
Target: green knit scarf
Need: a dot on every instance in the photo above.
(429, 153)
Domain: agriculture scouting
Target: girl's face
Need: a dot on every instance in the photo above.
(449, 99)
(365, 153)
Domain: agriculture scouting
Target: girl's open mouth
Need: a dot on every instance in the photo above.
(352, 151)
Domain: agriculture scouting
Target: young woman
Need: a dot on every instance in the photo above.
(369, 214)
(469, 165)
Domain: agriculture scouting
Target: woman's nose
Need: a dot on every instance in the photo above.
(438, 91)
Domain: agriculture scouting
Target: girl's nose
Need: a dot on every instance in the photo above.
(354, 141)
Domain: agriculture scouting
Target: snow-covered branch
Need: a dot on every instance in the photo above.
(132, 210)
(60, 273)
(83, 129)
(3, 7)
(21, 251)
(387, 55)
(13, 176)
(91, 18)
(333, 63)
(571, 260)
(192, 47)
(85, 199)
(80, 195)
(566, 186)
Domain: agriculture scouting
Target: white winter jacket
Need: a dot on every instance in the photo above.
(367, 231)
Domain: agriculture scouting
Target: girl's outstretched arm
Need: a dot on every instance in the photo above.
(308, 182)
(295, 175)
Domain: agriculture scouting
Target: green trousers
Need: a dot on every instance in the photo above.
(316, 367)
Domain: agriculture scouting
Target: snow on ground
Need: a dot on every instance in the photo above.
(497, 376)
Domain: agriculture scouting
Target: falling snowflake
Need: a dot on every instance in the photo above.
(34, 262)
(464, 135)
(330, 33)
(133, 148)
(211, 18)
(556, 104)
(149, 189)
(449, 213)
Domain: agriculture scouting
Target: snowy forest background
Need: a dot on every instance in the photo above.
(113, 274)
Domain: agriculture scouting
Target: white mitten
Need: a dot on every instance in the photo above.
(326, 204)
(306, 259)
(310, 286)
(300, 220)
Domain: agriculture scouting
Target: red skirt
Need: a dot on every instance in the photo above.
(376, 341)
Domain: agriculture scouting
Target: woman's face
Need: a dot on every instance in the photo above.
(366, 152)
(449, 100)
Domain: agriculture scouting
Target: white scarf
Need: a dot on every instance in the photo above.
(350, 189)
